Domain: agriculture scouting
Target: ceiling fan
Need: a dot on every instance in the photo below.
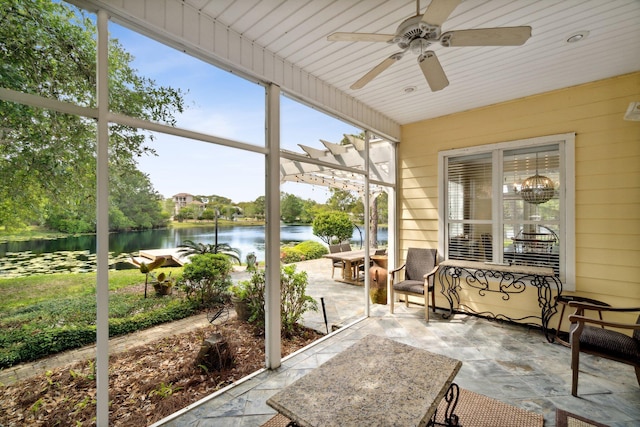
(417, 33)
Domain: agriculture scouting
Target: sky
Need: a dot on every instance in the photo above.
(222, 104)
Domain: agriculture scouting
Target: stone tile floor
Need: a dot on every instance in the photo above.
(508, 362)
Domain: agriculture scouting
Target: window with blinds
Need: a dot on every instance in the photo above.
(504, 204)
(470, 191)
(531, 228)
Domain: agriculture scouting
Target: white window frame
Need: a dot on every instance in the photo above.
(566, 194)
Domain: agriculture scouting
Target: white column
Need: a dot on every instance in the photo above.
(102, 228)
(367, 218)
(392, 222)
(272, 228)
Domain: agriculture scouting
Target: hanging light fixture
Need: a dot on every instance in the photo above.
(537, 189)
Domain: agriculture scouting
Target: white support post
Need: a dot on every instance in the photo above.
(392, 221)
(272, 239)
(102, 228)
(367, 218)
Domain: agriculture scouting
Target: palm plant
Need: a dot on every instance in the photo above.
(189, 247)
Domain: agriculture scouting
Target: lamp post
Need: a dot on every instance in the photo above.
(216, 230)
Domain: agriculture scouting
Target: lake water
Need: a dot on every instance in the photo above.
(77, 253)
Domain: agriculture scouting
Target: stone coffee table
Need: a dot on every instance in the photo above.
(375, 382)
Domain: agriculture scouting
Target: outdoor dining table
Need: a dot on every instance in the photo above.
(377, 382)
(350, 262)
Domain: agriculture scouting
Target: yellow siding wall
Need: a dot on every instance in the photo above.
(607, 166)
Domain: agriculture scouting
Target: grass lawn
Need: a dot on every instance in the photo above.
(44, 314)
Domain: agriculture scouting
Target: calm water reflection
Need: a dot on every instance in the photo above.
(246, 238)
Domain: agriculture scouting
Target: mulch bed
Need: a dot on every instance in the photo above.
(146, 383)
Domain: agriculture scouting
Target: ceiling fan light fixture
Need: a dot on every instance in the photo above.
(419, 46)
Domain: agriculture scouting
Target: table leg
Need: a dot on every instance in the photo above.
(450, 419)
(347, 273)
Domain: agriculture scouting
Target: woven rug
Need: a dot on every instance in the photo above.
(567, 419)
(277, 421)
(473, 410)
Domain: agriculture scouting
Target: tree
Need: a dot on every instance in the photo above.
(133, 195)
(332, 227)
(290, 208)
(383, 207)
(342, 200)
(308, 212)
(48, 159)
(208, 214)
(187, 212)
(260, 206)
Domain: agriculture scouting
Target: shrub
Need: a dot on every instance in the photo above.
(291, 254)
(312, 250)
(294, 301)
(302, 251)
(208, 277)
(32, 340)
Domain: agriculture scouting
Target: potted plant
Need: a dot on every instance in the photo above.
(164, 284)
(240, 299)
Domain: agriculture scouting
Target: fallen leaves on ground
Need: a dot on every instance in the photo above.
(146, 383)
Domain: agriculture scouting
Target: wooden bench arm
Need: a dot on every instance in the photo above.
(581, 306)
(573, 318)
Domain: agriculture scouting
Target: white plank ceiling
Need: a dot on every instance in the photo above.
(297, 30)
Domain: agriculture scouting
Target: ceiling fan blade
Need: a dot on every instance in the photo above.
(503, 36)
(360, 37)
(375, 71)
(438, 11)
(432, 70)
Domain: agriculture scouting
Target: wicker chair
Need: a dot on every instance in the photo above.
(598, 341)
(419, 272)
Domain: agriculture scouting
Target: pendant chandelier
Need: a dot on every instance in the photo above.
(537, 189)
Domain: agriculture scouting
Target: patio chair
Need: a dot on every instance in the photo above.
(599, 341)
(336, 264)
(419, 273)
